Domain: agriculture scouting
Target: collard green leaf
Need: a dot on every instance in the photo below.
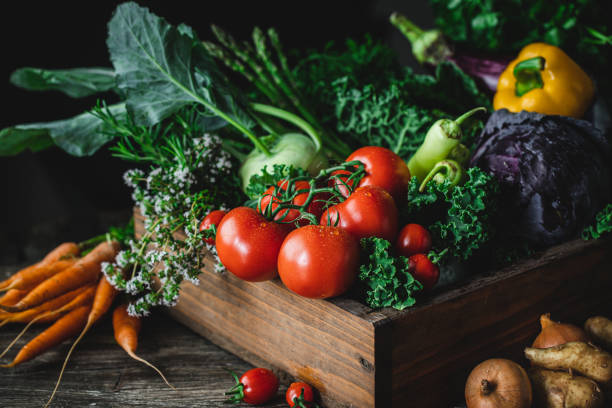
(161, 68)
(76, 82)
(13, 141)
(81, 135)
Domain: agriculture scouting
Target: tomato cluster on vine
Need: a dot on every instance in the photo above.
(306, 230)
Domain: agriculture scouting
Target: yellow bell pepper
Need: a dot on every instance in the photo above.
(546, 80)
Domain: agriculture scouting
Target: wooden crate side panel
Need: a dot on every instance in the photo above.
(317, 341)
(435, 348)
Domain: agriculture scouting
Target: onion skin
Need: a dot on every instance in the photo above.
(554, 334)
(498, 383)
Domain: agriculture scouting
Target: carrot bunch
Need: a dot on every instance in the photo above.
(72, 294)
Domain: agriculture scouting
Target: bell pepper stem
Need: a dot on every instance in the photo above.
(528, 76)
(445, 170)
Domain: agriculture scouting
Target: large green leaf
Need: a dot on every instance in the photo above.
(81, 135)
(75, 82)
(161, 68)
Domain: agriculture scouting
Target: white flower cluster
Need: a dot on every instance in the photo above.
(152, 268)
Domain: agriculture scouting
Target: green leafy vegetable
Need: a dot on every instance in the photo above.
(459, 218)
(602, 225)
(162, 68)
(259, 183)
(398, 115)
(81, 135)
(75, 82)
(507, 25)
(388, 280)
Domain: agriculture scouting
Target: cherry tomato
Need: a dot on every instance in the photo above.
(248, 244)
(424, 270)
(287, 216)
(384, 169)
(256, 386)
(413, 239)
(318, 261)
(213, 218)
(299, 394)
(368, 212)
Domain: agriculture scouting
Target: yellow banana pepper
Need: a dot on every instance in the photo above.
(546, 80)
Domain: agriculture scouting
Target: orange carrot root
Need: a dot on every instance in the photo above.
(85, 270)
(64, 250)
(66, 327)
(39, 273)
(126, 329)
(103, 298)
(84, 297)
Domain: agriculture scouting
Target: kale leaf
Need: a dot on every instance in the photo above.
(398, 114)
(387, 278)
(602, 225)
(460, 218)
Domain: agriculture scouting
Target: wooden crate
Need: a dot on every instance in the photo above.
(360, 357)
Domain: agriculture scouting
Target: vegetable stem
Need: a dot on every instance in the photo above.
(469, 114)
(290, 117)
(406, 27)
(527, 74)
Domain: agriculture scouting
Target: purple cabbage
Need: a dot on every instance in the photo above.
(553, 171)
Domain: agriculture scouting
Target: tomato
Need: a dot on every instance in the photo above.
(368, 212)
(318, 261)
(299, 394)
(384, 169)
(248, 244)
(424, 270)
(256, 386)
(413, 239)
(287, 216)
(213, 218)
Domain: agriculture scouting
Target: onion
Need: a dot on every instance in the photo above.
(554, 334)
(498, 383)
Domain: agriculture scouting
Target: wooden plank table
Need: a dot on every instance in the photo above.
(100, 374)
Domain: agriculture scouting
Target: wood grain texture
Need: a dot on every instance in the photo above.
(359, 357)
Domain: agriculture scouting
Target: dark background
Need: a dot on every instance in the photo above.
(51, 196)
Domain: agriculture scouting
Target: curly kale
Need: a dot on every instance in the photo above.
(398, 114)
(460, 218)
(602, 225)
(387, 278)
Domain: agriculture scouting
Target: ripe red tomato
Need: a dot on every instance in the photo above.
(413, 239)
(384, 169)
(213, 218)
(248, 244)
(299, 394)
(368, 212)
(287, 216)
(424, 270)
(318, 261)
(256, 386)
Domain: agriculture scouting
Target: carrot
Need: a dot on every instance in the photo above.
(105, 294)
(66, 327)
(55, 303)
(126, 329)
(29, 278)
(85, 271)
(66, 249)
(12, 296)
(83, 298)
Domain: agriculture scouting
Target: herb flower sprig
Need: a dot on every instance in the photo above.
(188, 177)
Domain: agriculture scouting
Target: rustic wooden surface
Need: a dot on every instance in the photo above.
(100, 374)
